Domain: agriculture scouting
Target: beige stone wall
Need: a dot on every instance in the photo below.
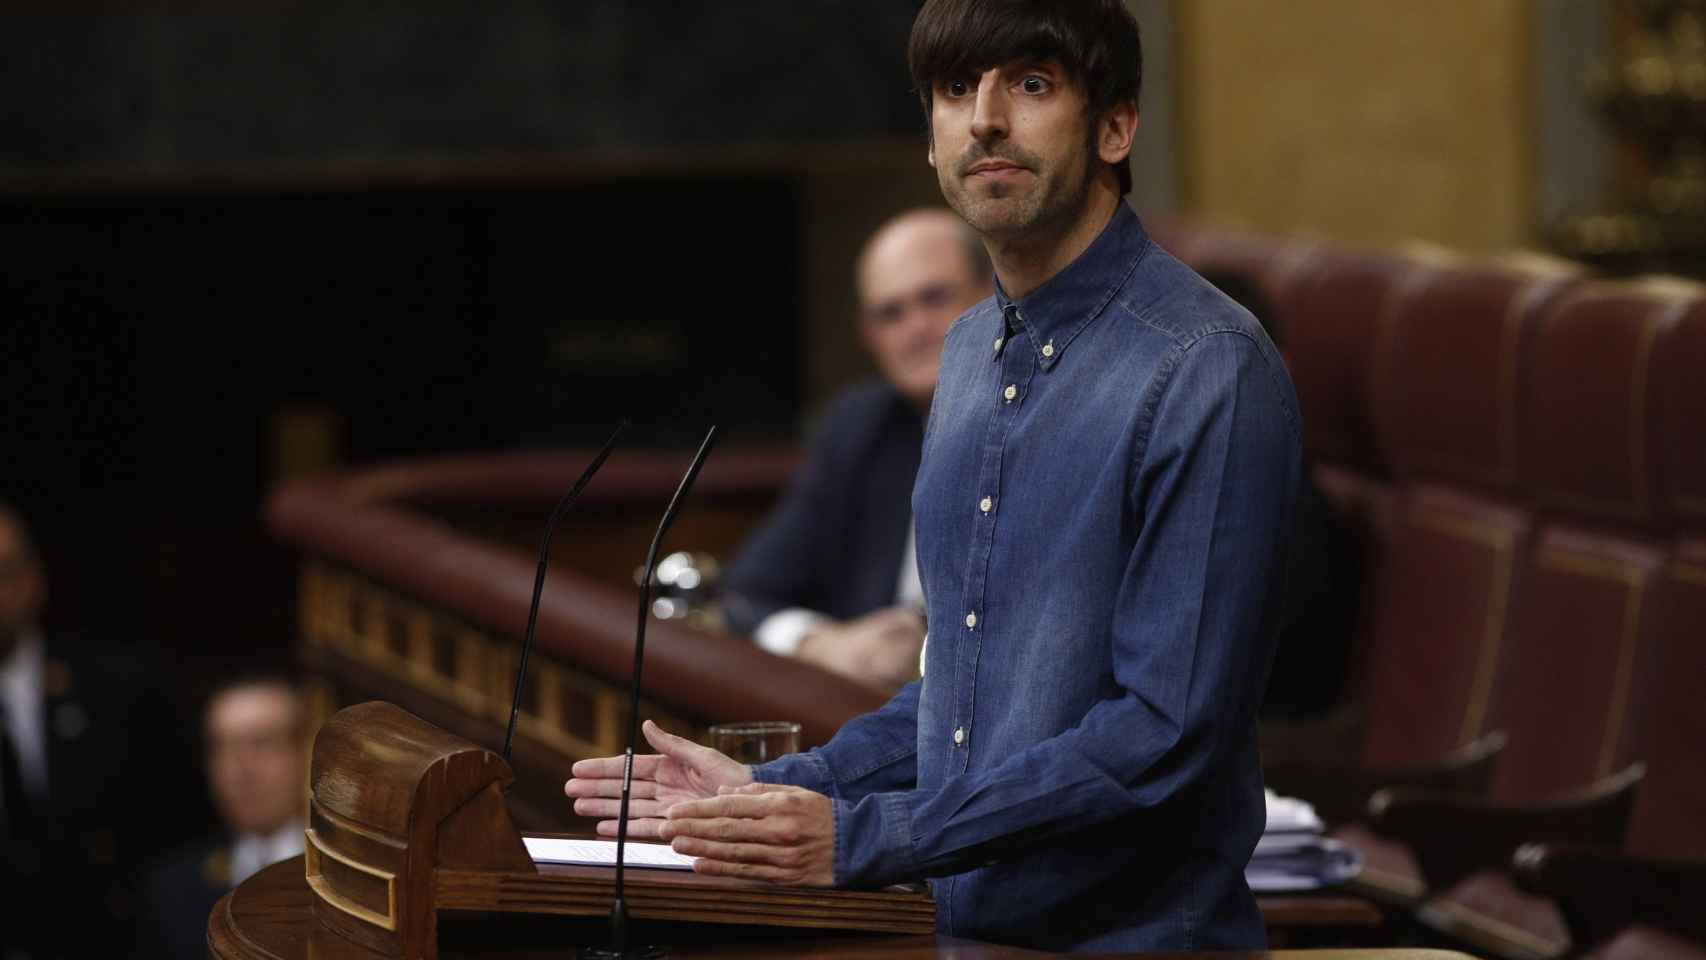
(1368, 121)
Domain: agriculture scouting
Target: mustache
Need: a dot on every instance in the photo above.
(978, 152)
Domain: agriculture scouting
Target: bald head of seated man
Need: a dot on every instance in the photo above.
(830, 577)
(916, 275)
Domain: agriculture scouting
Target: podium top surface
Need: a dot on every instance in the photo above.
(270, 916)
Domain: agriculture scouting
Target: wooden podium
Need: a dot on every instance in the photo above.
(408, 822)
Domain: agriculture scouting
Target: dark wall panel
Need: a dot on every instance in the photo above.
(325, 81)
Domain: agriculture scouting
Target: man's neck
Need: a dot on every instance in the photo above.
(1025, 262)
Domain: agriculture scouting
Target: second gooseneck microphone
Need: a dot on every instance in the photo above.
(539, 577)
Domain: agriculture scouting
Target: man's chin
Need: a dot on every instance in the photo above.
(997, 217)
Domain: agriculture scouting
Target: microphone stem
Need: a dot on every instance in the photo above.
(639, 663)
(539, 578)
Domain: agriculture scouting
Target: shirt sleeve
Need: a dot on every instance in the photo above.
(1213, 491)
(870, 754)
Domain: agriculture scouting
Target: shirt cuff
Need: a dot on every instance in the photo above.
(782, 631)
(807, 770)
(873, 841)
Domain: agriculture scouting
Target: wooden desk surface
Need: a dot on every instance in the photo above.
(270, 916)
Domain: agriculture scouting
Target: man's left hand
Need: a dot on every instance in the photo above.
(762, 831)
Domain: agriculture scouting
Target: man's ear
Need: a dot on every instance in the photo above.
(930, 154)
(1116, 131)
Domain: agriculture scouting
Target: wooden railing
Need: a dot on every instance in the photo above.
(414, 588)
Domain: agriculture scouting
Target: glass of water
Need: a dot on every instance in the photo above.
(757, 741)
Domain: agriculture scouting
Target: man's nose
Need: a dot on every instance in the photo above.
(989, 115)
(925, 324)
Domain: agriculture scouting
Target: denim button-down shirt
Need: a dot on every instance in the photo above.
(1102, 513)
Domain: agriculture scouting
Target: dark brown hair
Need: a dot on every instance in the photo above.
(1095, 41)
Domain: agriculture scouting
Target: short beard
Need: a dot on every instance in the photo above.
(1000, 214)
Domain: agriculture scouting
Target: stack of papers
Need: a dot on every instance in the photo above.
(1293, 855)
(602, 853)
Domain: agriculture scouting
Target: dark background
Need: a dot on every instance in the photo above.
(438, 229)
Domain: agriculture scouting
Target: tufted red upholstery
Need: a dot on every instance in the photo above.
(1446, 375)
(1580, 662)
(1585, 638)
(1437, 610)
(1681, 370)
(1526, 452)
(1670, 813)
(1592, 418)
(1338, 311)
(1435, 619)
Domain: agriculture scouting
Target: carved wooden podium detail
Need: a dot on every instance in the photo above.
(406, 820)
(393, 799)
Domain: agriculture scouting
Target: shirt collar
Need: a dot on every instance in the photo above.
(1056, 312)
(252, 851)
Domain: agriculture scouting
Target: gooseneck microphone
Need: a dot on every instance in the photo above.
(539, 577)
(619, 910)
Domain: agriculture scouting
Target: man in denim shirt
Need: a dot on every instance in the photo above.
(1107, 478)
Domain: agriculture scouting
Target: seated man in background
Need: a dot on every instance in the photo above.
(257, 750)
(830, 576)
(85, 776)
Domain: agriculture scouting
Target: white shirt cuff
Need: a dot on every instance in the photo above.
(781, 632)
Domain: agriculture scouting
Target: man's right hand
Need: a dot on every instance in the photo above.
(879, 649)
(680, 770)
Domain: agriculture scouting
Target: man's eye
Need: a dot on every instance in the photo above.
(957, 88)
(1034, 84)
(885, 313)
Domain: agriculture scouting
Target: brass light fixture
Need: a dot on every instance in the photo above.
(1653, 97)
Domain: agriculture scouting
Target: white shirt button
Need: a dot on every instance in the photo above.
(959, 736)
(1048, 349)
(1011, 392)
(986, 504)
(971, 621)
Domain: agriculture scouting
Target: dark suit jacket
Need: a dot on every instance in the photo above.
(73, 891)
(1317, 611)
(179, 894)
(834, 542)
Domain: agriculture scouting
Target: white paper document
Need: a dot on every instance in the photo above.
(1290, 815)
(1293, 855)
(602, 853)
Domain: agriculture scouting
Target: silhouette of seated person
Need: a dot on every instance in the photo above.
(830, 576)
(255, 741)
(85, 783)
